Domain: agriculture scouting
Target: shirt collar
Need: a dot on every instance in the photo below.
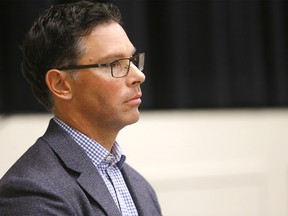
(97, 153)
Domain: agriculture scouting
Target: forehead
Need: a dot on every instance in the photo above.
(105, 41)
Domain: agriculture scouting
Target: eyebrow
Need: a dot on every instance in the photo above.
(115, 56)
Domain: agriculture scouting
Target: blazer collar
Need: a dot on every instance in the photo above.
(76, 159)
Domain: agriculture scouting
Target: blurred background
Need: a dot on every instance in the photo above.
(199, 54)
(214, 105)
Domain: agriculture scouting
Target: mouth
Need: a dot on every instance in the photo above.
(135, 100)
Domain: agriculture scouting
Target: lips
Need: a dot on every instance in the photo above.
(136, 99)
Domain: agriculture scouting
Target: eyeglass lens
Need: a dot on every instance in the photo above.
(120, 68)
(138, 61)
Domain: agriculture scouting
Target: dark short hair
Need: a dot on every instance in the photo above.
(53, 40)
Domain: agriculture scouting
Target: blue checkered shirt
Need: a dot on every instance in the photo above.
(108, 164)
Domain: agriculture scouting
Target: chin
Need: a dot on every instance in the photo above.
(133, 118)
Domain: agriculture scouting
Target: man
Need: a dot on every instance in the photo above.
(82, 67)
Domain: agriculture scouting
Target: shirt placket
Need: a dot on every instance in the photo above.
(112, 172)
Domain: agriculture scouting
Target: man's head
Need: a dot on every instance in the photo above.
(82, 64)
(55, 40)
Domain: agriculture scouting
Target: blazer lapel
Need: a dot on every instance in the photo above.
(76, 159)
(136, 189)
(143, 195)
(94, 185)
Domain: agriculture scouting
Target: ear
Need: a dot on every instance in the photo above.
(59, 84)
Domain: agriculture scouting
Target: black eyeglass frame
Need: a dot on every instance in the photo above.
(140, 66)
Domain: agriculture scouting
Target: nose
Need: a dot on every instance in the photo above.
(135, 76)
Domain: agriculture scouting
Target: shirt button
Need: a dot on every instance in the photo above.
(109, 158)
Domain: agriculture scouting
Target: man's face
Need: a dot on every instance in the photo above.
(98, 97)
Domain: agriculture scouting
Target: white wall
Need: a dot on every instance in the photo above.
(201, 163)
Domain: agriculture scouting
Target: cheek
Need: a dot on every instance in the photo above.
(99, 91)
(111, 94)
(104, 92)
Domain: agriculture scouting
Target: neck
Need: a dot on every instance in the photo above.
(103, 135)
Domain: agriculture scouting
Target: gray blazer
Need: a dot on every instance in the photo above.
(56, 177)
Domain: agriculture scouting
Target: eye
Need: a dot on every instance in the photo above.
(115, 64)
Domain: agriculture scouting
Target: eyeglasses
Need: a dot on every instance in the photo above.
(118, 68)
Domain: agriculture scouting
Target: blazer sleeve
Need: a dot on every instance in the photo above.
(23, 197)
